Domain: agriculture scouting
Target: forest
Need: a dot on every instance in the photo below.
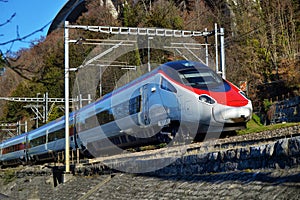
(262, 47)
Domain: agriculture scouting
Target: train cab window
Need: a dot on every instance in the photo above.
(200, 78)
(166, 85)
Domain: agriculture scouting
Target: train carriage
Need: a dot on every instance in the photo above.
(37, 143)
(129, 116)
(13, 151)
(180, 94)
(179, 101)
(44, 143)
(206, 98)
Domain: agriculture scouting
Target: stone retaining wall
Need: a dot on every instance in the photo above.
(283, 153)
(280, 153)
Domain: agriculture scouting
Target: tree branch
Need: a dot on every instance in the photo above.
(9, 20)
(26, 36)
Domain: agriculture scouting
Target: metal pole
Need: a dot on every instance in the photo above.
(67, 134)
(206, 49)
(77, 155)
(76, 105)
(37, 113)
(80, 101)
(26, 127)
(46, 107)
(100, 82)
(222, 53)
(89, 98)
(18, 128)
(216, 46)
(149, 66)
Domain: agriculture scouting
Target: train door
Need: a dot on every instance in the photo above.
(188, 108)
(144, 117)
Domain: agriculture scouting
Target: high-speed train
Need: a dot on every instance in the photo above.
(179, 101)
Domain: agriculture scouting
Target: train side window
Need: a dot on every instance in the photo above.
(55, 135)
(5, 150)
(105, 116)
(51, 137)
(120, 110)
(11, 149)
(38, 141)
(135, 105)
(90, 122)
(166, 85)
(61, 133)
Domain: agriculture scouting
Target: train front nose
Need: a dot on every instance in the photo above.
(227, 114)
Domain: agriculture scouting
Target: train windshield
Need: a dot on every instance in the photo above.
(200, 78)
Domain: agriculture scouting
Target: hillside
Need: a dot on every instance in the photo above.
(262, 48)
(8, 83)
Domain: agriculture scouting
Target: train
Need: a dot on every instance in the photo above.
(178, 102)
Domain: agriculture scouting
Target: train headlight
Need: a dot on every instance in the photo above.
(206, 99)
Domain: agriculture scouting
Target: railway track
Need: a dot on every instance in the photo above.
(251, 139)
(211, 145)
